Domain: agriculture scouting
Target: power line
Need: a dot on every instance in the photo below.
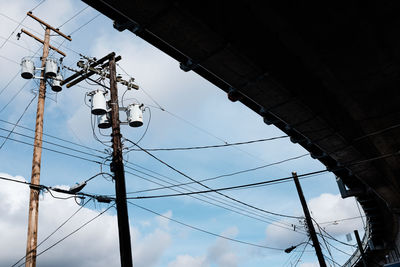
(190, 178)
(73, 232)
(52, 233)
(213, 146)
(330, 236)
(264, 219)
(75, 15)
(86, 23)
(20, 117)
(224, 175)
(14, 96)
(231, 188)
(53, 150)
(55, 137)
(51, 143)
(205, 231)
(302, 252)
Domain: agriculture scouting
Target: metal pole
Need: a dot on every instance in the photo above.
(117, 167)
(360, 248)
(310, 225)
(37, 155)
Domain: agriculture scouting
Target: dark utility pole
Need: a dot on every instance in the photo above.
(117, 167)
(310, 225)
(360, 248)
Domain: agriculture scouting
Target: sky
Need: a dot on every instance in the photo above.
(182, 110)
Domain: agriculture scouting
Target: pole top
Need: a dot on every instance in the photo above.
(48, 26)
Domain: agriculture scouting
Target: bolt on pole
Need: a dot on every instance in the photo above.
(119, 173)
(309, 222)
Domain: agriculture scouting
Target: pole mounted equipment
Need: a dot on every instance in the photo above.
(48, 69)
(107, 112)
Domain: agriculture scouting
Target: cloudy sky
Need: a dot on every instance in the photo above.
(183, 110)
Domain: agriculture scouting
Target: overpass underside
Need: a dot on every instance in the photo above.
(326, 73)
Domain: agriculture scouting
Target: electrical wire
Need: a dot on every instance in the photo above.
(14, 96)
(223, 175)
(52, 233)
(147, 126)
(16, 44)
(330, 236)
(53, 150)
(55, 137)
(287, 226)
(75, 15)
(193, 180)
(325, 243)
(86, 23)
(302, 252)
(19, 119)
(51, 143)
(214, 146)
(231, 188)
(70, 234)
(265, 219)
(204, 231)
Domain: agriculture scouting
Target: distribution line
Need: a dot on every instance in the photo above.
(51, 143)
(213, 146)
(75, 15)
(205, 231)
(20, 117)
(231, 188)
(52, 233)
(16, 44)
(226, 196)
(288, 226)
(14, 96)
(330, 236)
(259, 217)
(53, 150)
(73, 232)
(86, 23)
(302, 252)
(344, 252)
(224, 175)
(55, 137)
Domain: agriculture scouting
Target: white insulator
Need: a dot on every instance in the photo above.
(51, 67)
(27, 68)
(103, 121)
(134, 115)
(99, 105)
(56, 83)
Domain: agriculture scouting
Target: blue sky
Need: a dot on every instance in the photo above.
(196, 113)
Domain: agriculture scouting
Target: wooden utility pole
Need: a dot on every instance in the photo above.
(119, 173)
(30, 260)
(309, 222)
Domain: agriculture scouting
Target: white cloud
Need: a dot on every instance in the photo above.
(187, 260)
(163, 222)
(148, 251)
(220, 253)
(309, 264)
(329, 207)
(94, 245)
(281, 237)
